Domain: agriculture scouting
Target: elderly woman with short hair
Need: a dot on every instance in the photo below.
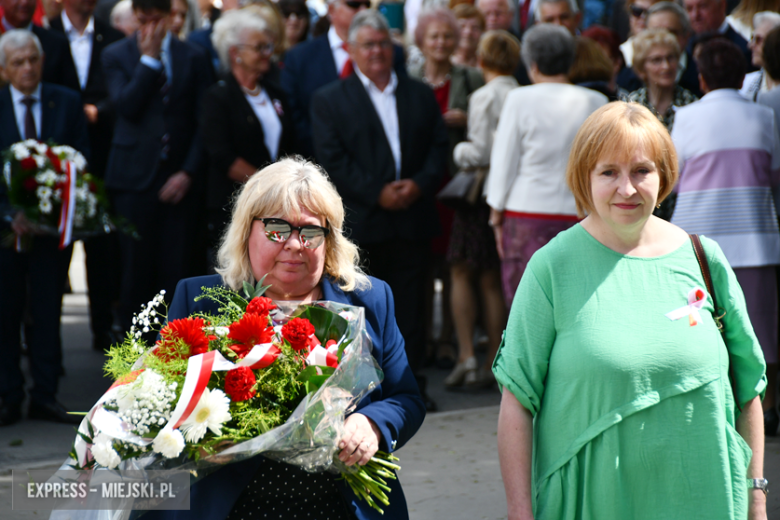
(656, 58)
(305, 258)
(245, 122)
(472, 26)
(526, 190)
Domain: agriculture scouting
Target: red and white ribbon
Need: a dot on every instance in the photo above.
(324, 357)
(68, 210)
(697, 297)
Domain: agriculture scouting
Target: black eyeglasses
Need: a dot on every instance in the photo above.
(637, 12)
(265, 49)
(353, 4)
(279, 230)
(300, 13)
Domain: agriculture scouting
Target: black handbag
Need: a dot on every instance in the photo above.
(464, 191)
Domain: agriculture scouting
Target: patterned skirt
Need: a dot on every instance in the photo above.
(472, 240)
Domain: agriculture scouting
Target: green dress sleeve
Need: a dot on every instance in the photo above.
(523, 357)
(745, 355)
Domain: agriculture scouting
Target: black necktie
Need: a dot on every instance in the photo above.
(29, 120)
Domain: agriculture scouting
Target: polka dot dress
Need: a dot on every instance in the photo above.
(284, 491)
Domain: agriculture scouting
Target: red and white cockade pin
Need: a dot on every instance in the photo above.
(697, 297)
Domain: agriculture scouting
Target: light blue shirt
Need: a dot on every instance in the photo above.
(164, 61)
(20, 110)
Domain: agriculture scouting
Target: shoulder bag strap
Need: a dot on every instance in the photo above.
(705, 271)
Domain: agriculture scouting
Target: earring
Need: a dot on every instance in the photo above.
(239, 60)
(658, 206)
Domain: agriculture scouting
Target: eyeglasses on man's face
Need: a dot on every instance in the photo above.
(370, 46)
(279, 230)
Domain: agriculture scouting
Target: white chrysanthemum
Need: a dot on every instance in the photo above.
(212, 411)
(40, 160)
(20, 151)
(169, 443)
(45, 206)
(43, 192)
(79, 161)
(41, 148)
(104, 452)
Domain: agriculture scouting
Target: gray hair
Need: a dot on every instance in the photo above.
(572, 6)
(768, 17)
(510, 4)
(675, 8)
(230, 30)
(122, 9)
(368, 18)
(550, 47)
(16, 39)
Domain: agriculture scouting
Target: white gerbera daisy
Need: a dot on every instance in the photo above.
(169, 443)
(212, 411)
(104, 452)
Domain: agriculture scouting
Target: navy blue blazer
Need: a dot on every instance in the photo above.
(396, 406)
(146, 119)
(202, 37)
(308, 67)
(62, 121)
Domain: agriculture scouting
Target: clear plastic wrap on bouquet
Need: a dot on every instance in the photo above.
(308, 439)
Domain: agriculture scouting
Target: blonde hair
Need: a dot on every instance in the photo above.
(499, 52)
(285, 188)
(615, 131)
(646, 40)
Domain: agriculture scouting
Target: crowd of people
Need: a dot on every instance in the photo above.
(548, 110)
(182, 102)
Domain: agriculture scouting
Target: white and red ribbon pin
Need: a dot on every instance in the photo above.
(697, 297)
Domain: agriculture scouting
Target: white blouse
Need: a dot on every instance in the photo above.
(266, 113)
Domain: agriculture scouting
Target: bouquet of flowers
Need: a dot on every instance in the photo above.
(257, 377)
(50, 185)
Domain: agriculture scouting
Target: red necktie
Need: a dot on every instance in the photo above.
(348, 68)
(524, 14)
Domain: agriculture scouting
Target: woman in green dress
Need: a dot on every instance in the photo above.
(610, 408)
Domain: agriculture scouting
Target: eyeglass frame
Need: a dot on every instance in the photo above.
(637, 12)
(264, 49)
(299, 229)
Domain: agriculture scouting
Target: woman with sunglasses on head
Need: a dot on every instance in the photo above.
(287, 226)
(244, 119)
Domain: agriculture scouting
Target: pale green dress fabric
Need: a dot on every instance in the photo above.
(634, 413)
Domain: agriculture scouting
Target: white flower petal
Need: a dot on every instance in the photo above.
(168, 442)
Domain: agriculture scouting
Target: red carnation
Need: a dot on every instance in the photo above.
(250, 330)
(332, 357)
(260, 305)
(297, 332)
(30, 184)
(28, 164)
(93, 187)
(189, 331)
(55, 161)
(240, 383)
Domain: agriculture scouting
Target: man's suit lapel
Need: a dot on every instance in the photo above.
(8, 127)
(98, 44)
(324, 57)
(379, 141)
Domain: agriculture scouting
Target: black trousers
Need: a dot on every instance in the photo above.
(43, 268)
(161, 257)
(402, 264)
(103, 277)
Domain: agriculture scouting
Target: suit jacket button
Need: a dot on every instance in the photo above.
(250, 119)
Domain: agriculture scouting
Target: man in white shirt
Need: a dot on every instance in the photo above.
(88, 37)
(381, 138)
(323, 60)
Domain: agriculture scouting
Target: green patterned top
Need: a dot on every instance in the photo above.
(634, 414)
(680, 98)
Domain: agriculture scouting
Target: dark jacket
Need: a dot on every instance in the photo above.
(62, 122)
(150, 116)
(351, 145)
(308, 67)
(95, 92)
(230, 130)
(395, 406)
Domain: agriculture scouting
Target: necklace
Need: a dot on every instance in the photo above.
(254, 92)
(436, 85)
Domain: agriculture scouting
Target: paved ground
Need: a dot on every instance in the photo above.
(450, 468)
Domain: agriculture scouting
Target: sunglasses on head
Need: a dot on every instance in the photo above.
(279, 230)
(352, 4)
(300, 13)
(637, 12)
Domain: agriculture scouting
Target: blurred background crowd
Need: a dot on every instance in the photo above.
(183, 100)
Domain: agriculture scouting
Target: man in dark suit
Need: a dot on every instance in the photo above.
(381, 138)
(57, 65)
(709, 16)
(312, 65)
(30, 109)
(88, 37)
(154, 172)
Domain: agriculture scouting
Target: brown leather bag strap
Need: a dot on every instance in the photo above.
(704, 265)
